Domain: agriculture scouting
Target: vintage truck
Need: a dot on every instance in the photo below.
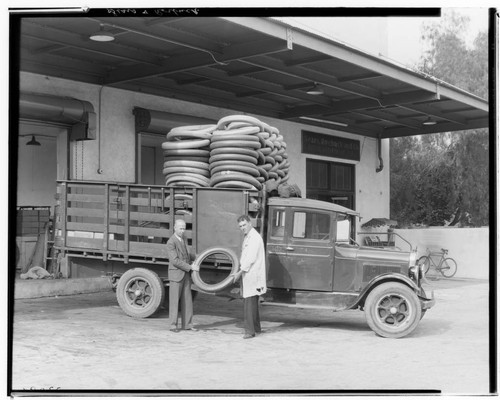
(313, 259)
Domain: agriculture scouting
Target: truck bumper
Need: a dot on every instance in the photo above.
(427, 303)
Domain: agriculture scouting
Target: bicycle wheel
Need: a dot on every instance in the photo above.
(425, 260)
(448, 267)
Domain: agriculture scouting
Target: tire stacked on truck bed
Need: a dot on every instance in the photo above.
(186, 156)
(240, 151)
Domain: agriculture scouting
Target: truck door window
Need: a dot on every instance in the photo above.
(311, 225)
(278, 223)
(343, 228)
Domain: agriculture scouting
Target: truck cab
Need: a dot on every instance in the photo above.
(314, 261)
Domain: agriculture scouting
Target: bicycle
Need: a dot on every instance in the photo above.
(447, 266)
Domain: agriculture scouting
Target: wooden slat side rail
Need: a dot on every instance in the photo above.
(85, 227)
(139, 231)
(84, 243)
(83, 212)
(87, 198)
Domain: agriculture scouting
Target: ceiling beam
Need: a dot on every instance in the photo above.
(438, 128)
(196, 60)
(307, 60)
(79, 42)
(200, 95)
(252, 84)
(360, 77)
(334, 49)
(191, 81)
(311, 75)
(245, 71)
(164, 33)
(381, 116)
(360, 104)
(431, 111)
(354, 129)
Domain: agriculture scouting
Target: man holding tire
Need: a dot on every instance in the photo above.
(253, 272)
(180, 263)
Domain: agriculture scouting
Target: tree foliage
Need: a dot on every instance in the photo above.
(441, 179)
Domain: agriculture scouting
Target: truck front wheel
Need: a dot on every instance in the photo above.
(392, 310)
(140, 292)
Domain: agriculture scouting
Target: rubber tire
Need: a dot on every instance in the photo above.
(235, 150)
(236, 168)
(152, 281)
(234, 176)
(408, 296)
(234, 185)
(195, 275)
(244, 130)
(263, 172)
(191, 132)
(185, 177)
(223, 122)
(186, 158)
(449, 273)
(187, 152)
(426, 261)
(240, 138)
(183, 163)
(235, 143)
(181, 170)
(265, 150)
(185, 144)
(230, 163)
(232, 157)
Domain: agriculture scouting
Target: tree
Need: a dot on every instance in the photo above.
(443, 178)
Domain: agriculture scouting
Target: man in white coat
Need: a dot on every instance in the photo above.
(253, 272)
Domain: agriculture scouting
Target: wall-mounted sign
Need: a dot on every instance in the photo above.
(330, 146)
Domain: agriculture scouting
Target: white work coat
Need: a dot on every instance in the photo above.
(253, 265)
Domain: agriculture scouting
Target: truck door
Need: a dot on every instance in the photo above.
(303, 257)
(346, 274)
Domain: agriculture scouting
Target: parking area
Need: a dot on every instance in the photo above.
(85, 342)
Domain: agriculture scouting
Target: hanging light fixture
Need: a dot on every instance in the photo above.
(102, 36)
(33, 142)
(315, 90)
(429, 121)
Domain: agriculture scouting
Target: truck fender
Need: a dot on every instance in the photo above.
(388, 277)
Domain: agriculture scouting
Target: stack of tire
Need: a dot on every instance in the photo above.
(186, 156)
(246, 153)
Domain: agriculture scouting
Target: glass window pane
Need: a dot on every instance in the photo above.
(311, 225)
(278, 223)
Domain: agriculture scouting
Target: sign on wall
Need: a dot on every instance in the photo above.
(330, 146)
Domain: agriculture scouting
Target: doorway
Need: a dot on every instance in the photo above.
(42, 160)
(331, 181)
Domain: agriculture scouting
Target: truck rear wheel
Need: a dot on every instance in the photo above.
(392, 310)
(140, 292)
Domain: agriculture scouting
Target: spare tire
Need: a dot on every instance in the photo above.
(195, 275)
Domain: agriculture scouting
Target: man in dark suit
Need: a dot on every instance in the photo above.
(180, 259)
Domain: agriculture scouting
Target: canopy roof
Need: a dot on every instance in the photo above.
(250, 65)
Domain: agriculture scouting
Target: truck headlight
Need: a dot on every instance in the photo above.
(414, 273)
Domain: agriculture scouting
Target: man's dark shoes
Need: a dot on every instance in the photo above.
(248, 336)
